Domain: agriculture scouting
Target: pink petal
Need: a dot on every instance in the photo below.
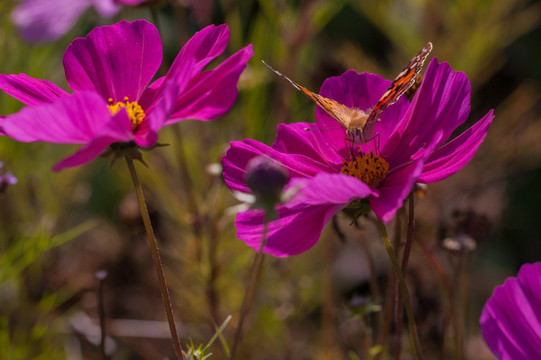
(454, 155)
(72, 119)
(398, 184)
(309, 140)
(114, 61)
(511, 318)
(326, 188)
(441, 104)
(47, 20)
(133, 2)
(120, 124)
(204, 46)
(154, 92)
(296, 230)
(235, 160)
(107, 8)
(147, 133)
(353, 89)
(28, 90)
(211, 94)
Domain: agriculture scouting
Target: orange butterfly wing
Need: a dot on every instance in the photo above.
(338, 111)
(355, 120)
(401, 84)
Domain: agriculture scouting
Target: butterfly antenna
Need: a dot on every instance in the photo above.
(295, 85)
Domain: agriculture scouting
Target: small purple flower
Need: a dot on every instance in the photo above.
(511, 318)
(47, 20)
(331, 173)
(6, 179)
(113, 102)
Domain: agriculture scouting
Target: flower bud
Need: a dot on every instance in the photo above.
(266, 178)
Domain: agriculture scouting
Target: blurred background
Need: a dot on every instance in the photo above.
(473, 229)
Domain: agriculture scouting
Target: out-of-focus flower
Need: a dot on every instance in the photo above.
(266, 179)
(47, 20)
(511, 318)
(6, 179)
(113, 103)
(201, 9)
(463, 231)
(410, 146)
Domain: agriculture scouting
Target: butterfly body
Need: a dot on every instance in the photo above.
(359, 123)
(355, 121)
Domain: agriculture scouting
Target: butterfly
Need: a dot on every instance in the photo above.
(357, 122)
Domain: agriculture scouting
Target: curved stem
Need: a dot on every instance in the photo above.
(402, 283)
(250, 290)
(153, 244)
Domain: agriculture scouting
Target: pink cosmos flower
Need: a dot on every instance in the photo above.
(511, 318)
(113, 102)
(330, 172)
(47, 20)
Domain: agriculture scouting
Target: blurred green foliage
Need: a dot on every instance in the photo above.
(58, 229)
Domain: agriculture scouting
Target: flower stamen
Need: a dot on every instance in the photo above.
(369, 168)
(135, 111)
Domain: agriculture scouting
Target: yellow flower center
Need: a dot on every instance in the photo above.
(135, 111)
(369, 168)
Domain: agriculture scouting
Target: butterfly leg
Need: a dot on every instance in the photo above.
(350, 144)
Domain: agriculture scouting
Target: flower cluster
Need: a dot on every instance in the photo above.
(412, 145)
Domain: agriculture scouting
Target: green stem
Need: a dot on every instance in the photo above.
(404, 267)
(403, 287)
(250, 290)
(153, 244)
(390, 295)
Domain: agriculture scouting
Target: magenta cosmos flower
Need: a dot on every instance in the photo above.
(47, 20)
(511, 319)
(331, 173)
(113, 102)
